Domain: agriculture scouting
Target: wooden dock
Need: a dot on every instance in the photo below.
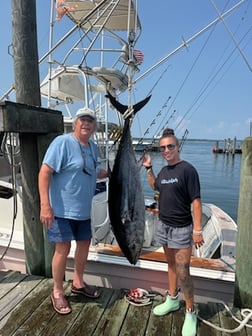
(229, 147)
(25, 309)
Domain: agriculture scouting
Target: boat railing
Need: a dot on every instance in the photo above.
(100, 222)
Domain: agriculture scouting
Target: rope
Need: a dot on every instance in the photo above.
(246, 313)
(10, 149)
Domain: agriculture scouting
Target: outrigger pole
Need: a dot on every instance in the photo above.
(186, 43)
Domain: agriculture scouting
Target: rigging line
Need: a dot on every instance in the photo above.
(165, 124)
(182, 85)
(154, 120)
(209, 80)
(160, 111)
(196, 99)
(160, 128)
(158, 80)
(217, 70)
(185, 43)
(232, 36)
(212, 88)
(207, 85)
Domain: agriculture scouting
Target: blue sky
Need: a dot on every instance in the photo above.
(209, 81)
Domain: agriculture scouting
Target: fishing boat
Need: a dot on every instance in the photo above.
(103, 57)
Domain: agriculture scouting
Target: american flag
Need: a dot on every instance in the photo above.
(139, 56)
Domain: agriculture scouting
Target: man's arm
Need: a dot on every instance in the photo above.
(46, 211)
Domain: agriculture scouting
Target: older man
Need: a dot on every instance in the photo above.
(67, 181)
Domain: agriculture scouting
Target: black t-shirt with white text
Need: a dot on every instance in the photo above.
(178, 186)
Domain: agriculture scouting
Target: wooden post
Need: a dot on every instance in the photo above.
(234, 146)
(243, 281)
(43, 143)
(46, 123)
(217, 146)
(225, 146)
(24, 39)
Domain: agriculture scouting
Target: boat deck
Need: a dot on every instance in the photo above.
(25, 309)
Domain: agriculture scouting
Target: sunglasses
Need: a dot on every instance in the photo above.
(170, 147)
(85, 169)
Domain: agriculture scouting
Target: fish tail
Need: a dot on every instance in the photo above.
(123, 108)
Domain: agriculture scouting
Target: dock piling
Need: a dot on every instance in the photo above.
(243, 280)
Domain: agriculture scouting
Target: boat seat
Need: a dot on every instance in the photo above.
(65, 86)
(114, 78)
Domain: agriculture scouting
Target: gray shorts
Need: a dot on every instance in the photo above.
(64, 229)
(173, 237)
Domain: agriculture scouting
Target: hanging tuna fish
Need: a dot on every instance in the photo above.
(126, 199)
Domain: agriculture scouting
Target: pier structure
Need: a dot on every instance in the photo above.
(229, 147)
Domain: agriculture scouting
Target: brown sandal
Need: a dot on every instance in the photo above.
(89, 291)
(61, 303)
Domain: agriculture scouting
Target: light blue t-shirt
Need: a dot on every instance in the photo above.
(71, 190)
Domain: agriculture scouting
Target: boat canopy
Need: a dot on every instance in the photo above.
(111, 14)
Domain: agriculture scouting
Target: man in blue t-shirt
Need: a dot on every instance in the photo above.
(67, 181)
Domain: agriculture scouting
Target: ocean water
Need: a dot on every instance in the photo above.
(219, 173)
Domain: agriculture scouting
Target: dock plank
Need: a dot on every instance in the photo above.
(26, 310)
(84, 325)
(228, 324)
(38, 311)
(114, 315)
(248, 331)
(209, 313)
(178, 320)
(136, 321)
(20, 288)
(8, 281)
(158, 325)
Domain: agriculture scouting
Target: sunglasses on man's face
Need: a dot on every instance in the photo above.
(169, 146)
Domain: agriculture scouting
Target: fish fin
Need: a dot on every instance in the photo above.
(120, 107)
(140, 104)
(123, 108)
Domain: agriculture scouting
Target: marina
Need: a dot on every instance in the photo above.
(109, 30)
